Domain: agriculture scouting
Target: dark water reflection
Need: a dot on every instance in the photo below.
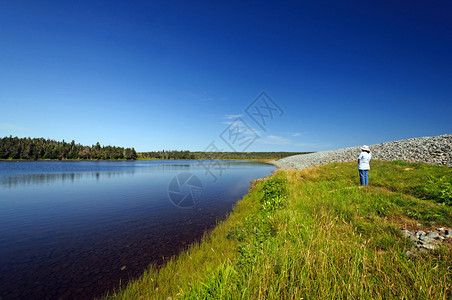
(73, 230)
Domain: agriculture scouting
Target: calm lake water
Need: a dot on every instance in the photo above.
(74, 230)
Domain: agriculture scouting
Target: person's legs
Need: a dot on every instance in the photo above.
(361, 177)
(366, 177)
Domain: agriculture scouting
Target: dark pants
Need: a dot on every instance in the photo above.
(364, 177)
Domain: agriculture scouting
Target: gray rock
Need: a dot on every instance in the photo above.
(429, 246)
(407, 233)
(426, 239)
(420, 233)
(435, 150)
(433, 235)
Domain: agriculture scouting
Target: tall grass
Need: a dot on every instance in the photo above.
(315, 234)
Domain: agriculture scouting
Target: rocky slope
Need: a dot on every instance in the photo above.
(432, 150)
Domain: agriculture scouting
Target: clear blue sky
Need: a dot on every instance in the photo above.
(172, 74)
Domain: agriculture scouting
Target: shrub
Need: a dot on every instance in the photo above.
(437, 189)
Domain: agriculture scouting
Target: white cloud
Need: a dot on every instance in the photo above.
(9, 126)
(275, 140)
(205, 97)
(295, 134)
(285, 141)
(232, 117)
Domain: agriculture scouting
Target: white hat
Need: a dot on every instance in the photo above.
(365, 148)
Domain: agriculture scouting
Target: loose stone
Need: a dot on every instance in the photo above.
(429, 240)
(433, 235)
(420, 233)
(416, 150)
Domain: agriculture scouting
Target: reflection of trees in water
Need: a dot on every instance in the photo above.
(201, 165)
(11, 180)
(85, 241)
(164, 168)
(53, 178)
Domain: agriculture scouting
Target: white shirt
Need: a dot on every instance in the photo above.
(364, 159)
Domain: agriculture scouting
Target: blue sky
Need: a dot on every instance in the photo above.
(176, 74)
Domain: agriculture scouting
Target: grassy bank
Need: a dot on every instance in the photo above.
(315, 234)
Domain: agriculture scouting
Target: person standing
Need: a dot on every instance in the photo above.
(363, 165)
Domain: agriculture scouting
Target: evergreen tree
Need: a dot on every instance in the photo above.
(40, 148)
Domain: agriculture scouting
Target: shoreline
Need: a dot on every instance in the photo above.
(264, 240)
(181, 227)
(140, 159)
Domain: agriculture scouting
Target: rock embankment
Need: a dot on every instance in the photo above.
(428, 240)
(432, 150)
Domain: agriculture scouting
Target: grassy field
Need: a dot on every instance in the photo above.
(315, 234)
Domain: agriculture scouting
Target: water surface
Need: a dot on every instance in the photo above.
(76, 229)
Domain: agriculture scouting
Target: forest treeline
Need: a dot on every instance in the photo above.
(40, 148)
(214, 155)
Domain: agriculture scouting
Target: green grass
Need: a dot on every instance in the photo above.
(315, 234)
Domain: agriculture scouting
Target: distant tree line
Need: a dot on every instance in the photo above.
(174, 154)
(40, 148)
(245, 155)
(215, 155)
